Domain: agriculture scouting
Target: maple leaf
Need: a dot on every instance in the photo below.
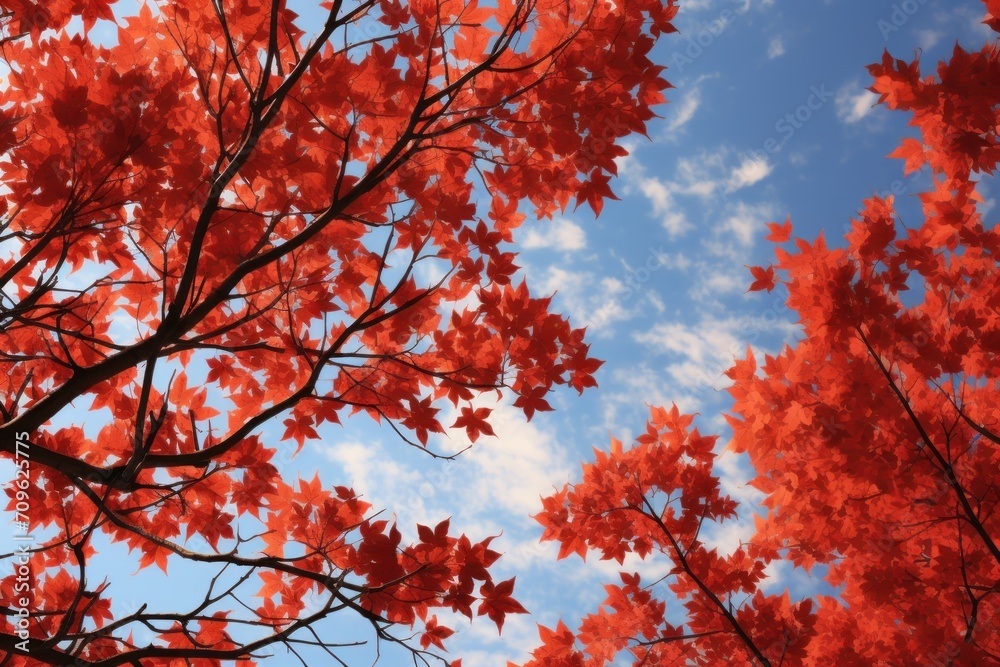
(533, 400)
(422, 419)
(300, 428)
(71, 108)
(394, 14)
(780, 233)
(497, 601)
(222, 370)
(912, 151)
(594, 191)
(993, 15)
(763, 278)
(473, 420)
(434, 634)
(437, 537)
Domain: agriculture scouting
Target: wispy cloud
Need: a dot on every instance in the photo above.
(776, 48)
(928, 38)
(683, 111)
(745, 222)
(493, 486)
(696, 354)
(509, 473)
(660, 196)
(589, 300)
(700, 351)
(557, 234)
(854, 103)
(660, 193)
(750, 171)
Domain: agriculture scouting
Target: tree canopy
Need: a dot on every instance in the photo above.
(224, 216)
(218, 217)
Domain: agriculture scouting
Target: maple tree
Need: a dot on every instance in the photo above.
(875, 440)
(221, 216)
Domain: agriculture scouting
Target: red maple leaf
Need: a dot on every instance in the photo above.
(779, 232)
(497, 601)
(763, 278)
(473, 420)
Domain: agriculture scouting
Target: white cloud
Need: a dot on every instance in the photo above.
(730, 230)
(694, 176)
(749, 172)
(704, 176)
(928, 38)
(494, 486)
(678, 261)
(780, 575)
(735, 473)
(776, 48)
(375, 473)
(589, 301)
(557, 234)
(627, 163)
(509, 473)
(728, 536)
(716, 280)
(854, 103)
(660, 196)
(684, 110)
(744, 222)
(700, 352)
(798, 158)
(636, 386)
(696, 5)
(699, 175)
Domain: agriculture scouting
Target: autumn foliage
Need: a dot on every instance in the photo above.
(224, 214)
(875, 440)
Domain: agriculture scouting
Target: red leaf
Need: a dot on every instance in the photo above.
(779, 232)
(473, 420)
(912, 151)
(763, 278)
(435, 634)
(497, 601)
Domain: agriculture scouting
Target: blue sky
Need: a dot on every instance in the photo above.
(659, 280)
